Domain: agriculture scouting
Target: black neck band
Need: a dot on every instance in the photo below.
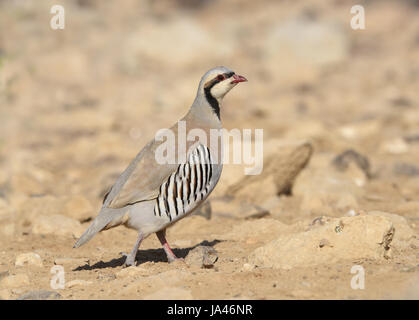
(212, 101)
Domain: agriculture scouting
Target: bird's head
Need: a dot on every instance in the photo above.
(215, 84)
(218, 81)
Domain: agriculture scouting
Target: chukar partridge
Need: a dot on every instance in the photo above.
(149, 196)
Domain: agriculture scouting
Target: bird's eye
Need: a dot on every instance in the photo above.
(220, 77)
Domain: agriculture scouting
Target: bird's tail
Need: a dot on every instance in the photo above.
(106, 219)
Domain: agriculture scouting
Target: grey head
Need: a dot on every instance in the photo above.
(214, 85)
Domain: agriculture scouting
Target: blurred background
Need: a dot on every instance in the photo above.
(76, 105)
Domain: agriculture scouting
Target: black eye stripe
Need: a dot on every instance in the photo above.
(224, 76)
(229, 75)
(218, 79)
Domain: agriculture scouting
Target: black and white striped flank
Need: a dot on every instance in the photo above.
(187, 186)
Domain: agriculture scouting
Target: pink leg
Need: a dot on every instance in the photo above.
(162, 237)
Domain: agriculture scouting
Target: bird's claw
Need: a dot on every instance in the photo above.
(129, 261)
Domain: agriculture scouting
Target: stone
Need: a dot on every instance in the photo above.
(57, 225)
(248, 267)
(15, 281)
(202, 257)
(280, 169)
(170, 293)
(395, 146)
(347, 239)
(343, 160)
(29, 258)
(406, 169)
(360, 130)
(403, 232)
(40, 295)
(324, 243)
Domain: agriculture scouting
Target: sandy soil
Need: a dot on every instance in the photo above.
(340, 114)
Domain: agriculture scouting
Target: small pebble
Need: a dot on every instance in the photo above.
(29, 258)
(248, 267)
(75, 283)
(324, 243)
(40, 295)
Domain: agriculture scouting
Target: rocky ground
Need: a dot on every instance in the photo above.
(340, 114)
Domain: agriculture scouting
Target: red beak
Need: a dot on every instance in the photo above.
(238, 79)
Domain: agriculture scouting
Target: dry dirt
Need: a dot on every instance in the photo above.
(340, 113)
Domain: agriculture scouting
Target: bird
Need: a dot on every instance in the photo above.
(150, 196)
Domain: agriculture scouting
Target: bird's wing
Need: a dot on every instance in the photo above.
(141, 180)
(144, 176)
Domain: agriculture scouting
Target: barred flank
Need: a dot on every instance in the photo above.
(189, 184)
